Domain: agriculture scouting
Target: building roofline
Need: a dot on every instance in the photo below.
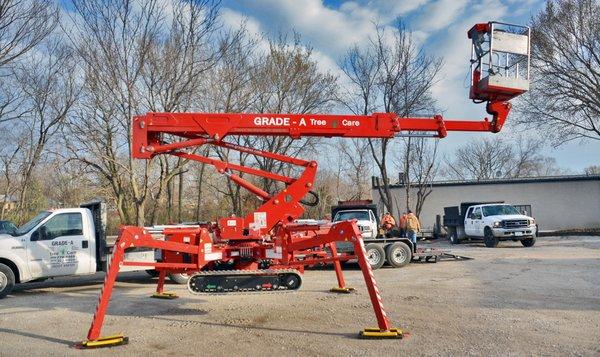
(564, 178)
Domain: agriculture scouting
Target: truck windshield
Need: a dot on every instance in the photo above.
(31, 224)
(348, 215)
(499, 210)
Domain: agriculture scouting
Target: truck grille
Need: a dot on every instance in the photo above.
(515, 223)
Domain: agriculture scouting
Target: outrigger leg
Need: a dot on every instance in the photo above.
(383, 330)
(341, 288)
(93, 338)
(160, 294)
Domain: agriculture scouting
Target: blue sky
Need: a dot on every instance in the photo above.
(332, 26)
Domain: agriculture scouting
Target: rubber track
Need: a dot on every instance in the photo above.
(259, 272)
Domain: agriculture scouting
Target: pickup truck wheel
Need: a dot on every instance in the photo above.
(398, 254)
(7, 280)
(375, 255)
(489, 239)
(181, 278)
(528, 242)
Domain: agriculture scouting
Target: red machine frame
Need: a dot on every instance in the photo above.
(269, 233)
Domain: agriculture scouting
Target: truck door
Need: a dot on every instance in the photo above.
(477, 225)
(374, 227)
(59, 247)
(469, 221)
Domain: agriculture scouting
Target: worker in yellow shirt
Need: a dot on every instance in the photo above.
(413, 226)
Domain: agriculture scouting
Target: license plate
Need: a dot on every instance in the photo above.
(518, 234)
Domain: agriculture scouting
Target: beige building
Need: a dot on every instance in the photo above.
(557, 203)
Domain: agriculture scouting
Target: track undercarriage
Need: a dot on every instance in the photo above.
(244, 280)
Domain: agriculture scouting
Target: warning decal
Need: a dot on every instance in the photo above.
(260, 220)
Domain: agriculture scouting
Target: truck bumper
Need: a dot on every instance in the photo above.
(515, 233)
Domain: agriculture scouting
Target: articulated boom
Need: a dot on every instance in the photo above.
(266, 250)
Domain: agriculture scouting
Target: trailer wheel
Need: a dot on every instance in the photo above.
(528, 242)
(489, 239)
(375, 255)
(7, 280)
(398, 254)
(181, 278)
(453, 237)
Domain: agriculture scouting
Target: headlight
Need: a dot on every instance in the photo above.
(531, 222)
(497, 224)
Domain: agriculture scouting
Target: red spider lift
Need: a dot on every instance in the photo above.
(266, 250)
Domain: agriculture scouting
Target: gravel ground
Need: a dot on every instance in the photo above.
(511, 300)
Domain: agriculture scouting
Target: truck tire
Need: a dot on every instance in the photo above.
(453, 236)
(375, 255)
(181, 278)
(398, 254)
(528, 242)
(489, 239)
(153, 273)
(7, 280)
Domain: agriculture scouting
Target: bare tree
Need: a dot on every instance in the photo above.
(357, 159)
(288, 80)
(592, 170)
(23, 25)
(500, 158)
(420, 166)
(8, 160)
(564, 100)
(392, 77)
(47, 83)
(135, 61)
(228, 88)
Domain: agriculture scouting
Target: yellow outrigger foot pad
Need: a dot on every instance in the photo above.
(165, 295)
(108, 341)
(376, 333)
(346, 290)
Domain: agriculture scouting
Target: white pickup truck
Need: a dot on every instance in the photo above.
(61, 242)
(492, 222)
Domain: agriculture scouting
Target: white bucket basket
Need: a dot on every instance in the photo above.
(500, 61)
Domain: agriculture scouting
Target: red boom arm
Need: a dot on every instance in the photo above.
(148, 129)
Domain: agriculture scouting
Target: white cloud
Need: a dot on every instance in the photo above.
(439, 14)
(389, 10)
(332, 31)
(233, 20)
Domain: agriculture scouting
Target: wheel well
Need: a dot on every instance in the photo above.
(12, 267)
(408, 242)
(487, 229)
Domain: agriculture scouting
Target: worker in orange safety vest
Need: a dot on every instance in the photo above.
(387, 221)
(402, 224)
